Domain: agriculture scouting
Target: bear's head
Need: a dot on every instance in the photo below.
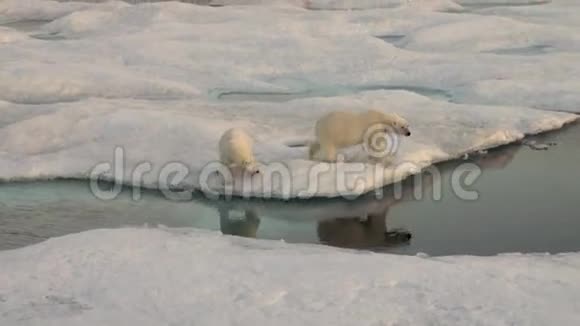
(400, 125)
(251, 167)
(393, 122)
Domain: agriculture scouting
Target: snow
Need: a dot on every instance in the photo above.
(8, 35)
(115, 277)
(163, 80)
(45, 10)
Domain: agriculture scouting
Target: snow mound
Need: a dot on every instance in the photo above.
(441, 5)
(8, 35)
(97, 277)
(503, 2)
(488, 33)
(45, 10)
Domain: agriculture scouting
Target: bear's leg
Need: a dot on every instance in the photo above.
(328, 152)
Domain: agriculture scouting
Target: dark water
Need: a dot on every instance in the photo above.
(526, 51)
(528, 202)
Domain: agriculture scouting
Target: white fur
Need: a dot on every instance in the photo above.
(236, 150)
(340, 129)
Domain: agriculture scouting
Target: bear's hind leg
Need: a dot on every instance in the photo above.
(328, 152)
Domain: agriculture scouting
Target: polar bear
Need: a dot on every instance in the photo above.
(341, 129)
(235, 148)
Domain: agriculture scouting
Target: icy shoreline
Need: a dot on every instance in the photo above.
(192, 150)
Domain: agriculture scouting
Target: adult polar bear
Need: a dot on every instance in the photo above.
(341, 129)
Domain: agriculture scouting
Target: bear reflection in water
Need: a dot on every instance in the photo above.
(366, 230)
(360, 233)
(356, 224)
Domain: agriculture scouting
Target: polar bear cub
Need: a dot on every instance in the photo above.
(236, 151)
(341, 129)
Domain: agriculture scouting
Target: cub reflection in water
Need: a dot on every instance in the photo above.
(247, 226)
